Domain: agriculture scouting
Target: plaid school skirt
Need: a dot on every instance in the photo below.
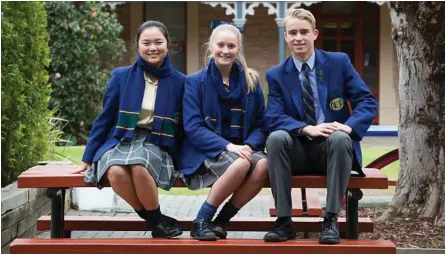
(137, 151)
(212, 169)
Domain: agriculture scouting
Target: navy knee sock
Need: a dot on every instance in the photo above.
(153, 217)
(227, 212)
(207, 211)
(141, 213)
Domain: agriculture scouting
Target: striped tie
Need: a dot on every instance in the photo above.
(308, 98)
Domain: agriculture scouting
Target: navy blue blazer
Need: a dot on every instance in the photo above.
(101, 137)
(203, 138)
(337, 83)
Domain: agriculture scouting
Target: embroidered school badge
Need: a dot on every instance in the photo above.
(337, 104)
(320, 76)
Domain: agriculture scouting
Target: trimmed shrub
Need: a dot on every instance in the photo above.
(25, 89)
(85, 47)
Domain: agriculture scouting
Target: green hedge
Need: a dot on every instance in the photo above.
(25, 90)
(85, 46)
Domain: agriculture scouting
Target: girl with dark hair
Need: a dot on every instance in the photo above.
(134, 143)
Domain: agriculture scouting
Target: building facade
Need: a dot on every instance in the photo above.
(360, 29)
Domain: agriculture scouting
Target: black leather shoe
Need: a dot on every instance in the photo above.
(202, 230)
(220, 228)
(281, 232)
(171, 221)
(329, 231)
(166, 228)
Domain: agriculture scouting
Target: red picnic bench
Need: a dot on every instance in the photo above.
(232, 246)
(58, 178)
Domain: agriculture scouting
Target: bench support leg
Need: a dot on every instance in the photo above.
(354, 195)
(305, 213)
(66, 233)
(57, 197)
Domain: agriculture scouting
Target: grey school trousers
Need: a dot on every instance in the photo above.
(289, 155)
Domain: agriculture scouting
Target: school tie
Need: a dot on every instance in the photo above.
(308, 97)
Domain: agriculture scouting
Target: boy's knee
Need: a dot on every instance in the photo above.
(339, 138)
(278, 138)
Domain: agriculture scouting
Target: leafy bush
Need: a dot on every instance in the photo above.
(85, 46)
(25, 90)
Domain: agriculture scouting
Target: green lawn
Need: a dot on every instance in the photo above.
(372, 153)
(74, 153)
(71, 153)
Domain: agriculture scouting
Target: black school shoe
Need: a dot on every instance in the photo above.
(166, 228)
(281, 232)
(329, 232)
(202, 230)
(171, 221)
(220, 228)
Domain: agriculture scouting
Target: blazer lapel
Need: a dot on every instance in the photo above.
(322, 74)
(293, 84)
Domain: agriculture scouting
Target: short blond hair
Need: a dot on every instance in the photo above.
(300, 14)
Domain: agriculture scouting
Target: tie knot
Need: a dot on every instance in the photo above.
(305, 67)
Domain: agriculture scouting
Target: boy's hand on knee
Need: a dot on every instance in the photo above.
(323, 130)
(342, 127)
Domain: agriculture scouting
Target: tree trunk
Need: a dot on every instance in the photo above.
(419, 37)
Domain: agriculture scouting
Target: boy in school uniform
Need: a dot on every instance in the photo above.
(312, 129)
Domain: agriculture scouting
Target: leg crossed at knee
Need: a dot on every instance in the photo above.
(242, 166)
(260, 173)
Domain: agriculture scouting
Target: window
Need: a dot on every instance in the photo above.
(352, 28)
(172, 15)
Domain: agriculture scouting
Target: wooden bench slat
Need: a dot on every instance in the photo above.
(232, 246)
(134, 223)
(392, 182)
(297, 204)
(60, 176)
(313, 203)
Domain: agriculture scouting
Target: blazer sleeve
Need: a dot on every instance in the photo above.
(276, 118)
(257, 137)
(201, 137)
(104, 122)
(364, 104)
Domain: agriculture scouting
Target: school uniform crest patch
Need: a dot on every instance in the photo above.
(336, 104)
